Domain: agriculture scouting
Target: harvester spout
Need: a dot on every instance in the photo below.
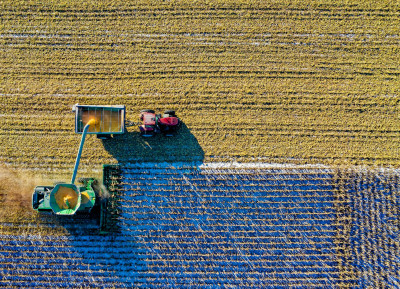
(78, 157)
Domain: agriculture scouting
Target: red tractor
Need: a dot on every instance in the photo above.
(153, 123)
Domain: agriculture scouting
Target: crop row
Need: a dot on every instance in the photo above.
(200, 268)
(286, 101)
(333, 239)
(183, 70)
(127, 244)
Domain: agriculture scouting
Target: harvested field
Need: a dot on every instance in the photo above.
(253, 80)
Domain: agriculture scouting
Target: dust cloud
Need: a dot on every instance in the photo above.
(101, 190)
(16, 188)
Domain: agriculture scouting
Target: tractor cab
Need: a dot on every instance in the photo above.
(153, 123)
(148, 119)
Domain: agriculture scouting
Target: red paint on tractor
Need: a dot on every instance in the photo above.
(169, 120)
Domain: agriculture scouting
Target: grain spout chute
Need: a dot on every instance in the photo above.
(68, 198)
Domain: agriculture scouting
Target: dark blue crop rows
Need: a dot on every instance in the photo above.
(228, 225)
(197, 227)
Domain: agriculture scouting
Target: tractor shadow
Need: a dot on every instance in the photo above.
(110, 247)
(133, 147)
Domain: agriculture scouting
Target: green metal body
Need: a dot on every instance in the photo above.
(44, 198)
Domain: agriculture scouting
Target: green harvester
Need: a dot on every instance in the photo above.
(70, 199)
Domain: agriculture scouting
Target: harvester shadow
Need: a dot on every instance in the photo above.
(129, 147)
(76, 225)
(104, 246)
(132, 147)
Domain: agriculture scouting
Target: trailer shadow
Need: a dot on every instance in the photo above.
(132, 147)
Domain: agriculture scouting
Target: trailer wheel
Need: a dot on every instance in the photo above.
(104, 136)
(147, 110)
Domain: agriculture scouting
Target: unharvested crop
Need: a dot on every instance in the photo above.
(221, 225)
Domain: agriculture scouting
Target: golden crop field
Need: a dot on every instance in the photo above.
(270, 81)
(285, 168)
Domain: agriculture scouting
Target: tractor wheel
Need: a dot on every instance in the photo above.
(147, 110)
(170, 112)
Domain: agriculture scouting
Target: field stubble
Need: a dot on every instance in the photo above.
(252, 80)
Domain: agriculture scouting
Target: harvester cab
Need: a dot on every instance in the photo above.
(152, 123)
